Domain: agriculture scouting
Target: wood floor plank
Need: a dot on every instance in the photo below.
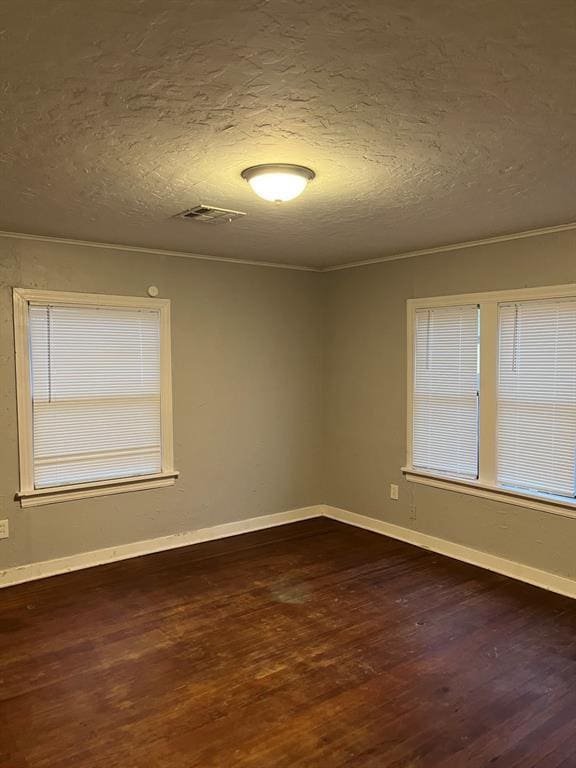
(314, 645)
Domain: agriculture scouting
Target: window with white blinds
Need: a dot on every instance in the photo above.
(492, 395)
(445, 393)
(537, 396)
(94, 395)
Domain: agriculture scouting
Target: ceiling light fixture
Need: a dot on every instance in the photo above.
(278, 182)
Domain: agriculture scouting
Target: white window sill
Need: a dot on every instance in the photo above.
(37, 497)
(557, 505)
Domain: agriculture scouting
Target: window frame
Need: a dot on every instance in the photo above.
(485, 486)
(30, 496)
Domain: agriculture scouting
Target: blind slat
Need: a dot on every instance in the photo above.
(95, 376)
(536, 440)
(445, 395)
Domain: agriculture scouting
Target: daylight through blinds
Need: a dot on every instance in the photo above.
(536, 426)
(445, 396)
(95, 375)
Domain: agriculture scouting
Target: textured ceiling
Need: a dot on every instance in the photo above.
(427, 122)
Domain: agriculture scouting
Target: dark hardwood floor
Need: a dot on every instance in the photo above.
(314, 645)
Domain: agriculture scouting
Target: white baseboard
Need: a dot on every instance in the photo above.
(32, 571)
(519, 571)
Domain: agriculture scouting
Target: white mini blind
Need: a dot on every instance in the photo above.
(445, 396)
(95, 379)
(537, 396)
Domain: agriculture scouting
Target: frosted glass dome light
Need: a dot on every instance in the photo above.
(278, 183)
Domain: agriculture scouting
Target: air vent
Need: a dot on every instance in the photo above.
(210, 214)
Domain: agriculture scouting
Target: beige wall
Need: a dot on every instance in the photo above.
(247, 375)
(289, 391)
(365, 425)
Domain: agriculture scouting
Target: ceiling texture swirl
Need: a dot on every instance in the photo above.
(427, 122)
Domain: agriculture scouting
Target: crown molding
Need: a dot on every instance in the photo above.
(298, 267)
(156, 251)
(453, 247)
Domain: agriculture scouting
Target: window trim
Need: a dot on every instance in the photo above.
(485, 486)
(30, 496)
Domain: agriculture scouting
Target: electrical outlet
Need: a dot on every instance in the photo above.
(393, 491)
(4, 530)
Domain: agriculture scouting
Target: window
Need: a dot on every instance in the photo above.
(94, 394)
(492, 395)
(445, 403)
(537, 396)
